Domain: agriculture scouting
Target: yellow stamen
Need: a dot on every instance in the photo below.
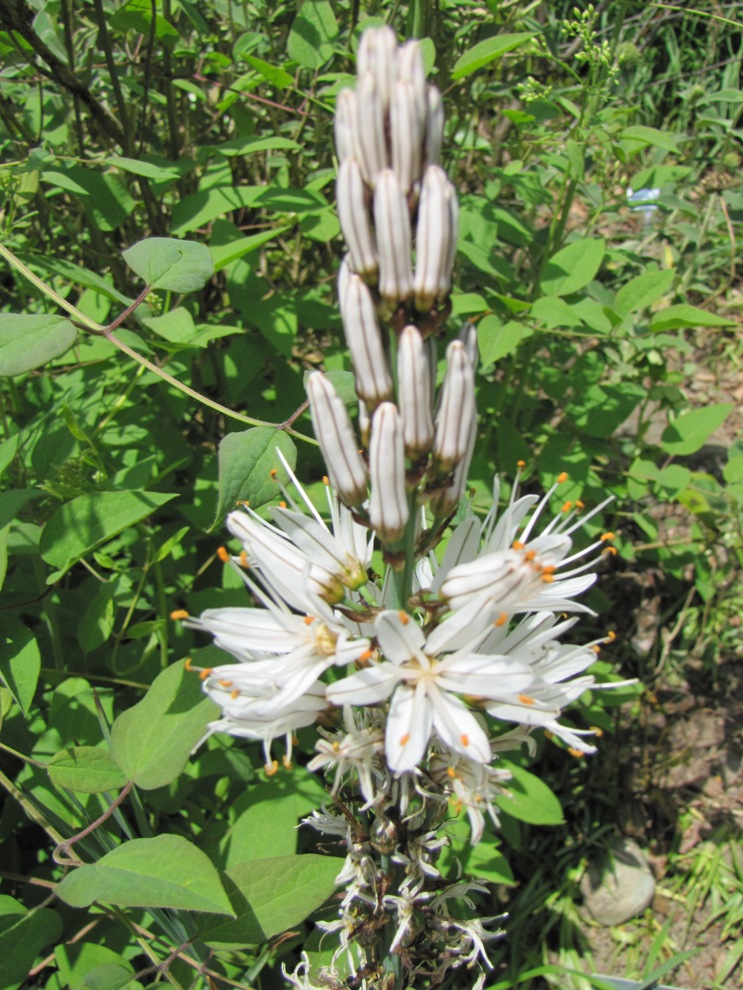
(580, 505)
(282, 505)
(288, 765)
(577, 753)
(180, 613)
(451, 772)
(223, 554)
(608, 536)
(225, 684)
(521, 465)
(597, 731)
(517, 545)
(611, 636)
(234, 694)
(405, 739)
(404, 617)
(562, 477)
(325, 479)
(244, 559)
(203, 674)
(273, 474)
(309, 619)
(501, 620)
(567, 507)
(188, 665)
(530, 555)
(612, 551)
(526, 699)
(465, 740)
(366, 656)
(271, 768)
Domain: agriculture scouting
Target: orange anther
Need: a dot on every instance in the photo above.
(611, 636)
(282, 505)
(325, 479)
(366, 656)
(579, 505)
(234, 694)
(596, 648)
(608, 536)
(597, 731)
(548, 734)
(530, 555)
(271, 768)
(521, 465)
(576, 752)
(309, 619)
(526, 699)
(223, 554)
(188, 665)
(501, 620)
(273, 473)
(244, 558)
(548, 578)
(224, 683)
(563, 476)
(465, 740)
(567, 506)
(610, 550)
(404, 617)
(549, 568)
(203, 674)
(288, 765)
(451, 772)
(405, 739)
(517, 545)
(180, 613)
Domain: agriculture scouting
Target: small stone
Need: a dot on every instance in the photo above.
(620, 885)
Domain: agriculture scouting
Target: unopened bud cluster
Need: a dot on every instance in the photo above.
(398, 213)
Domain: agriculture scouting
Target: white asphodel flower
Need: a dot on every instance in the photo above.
(353, 752)
(425, 676)
(505, 565)
(285, 646)
(471, 785)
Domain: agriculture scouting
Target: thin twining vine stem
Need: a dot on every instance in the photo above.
(85, 322)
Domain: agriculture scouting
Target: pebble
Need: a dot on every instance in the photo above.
(620, 885)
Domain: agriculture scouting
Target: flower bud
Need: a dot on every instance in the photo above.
(355, 219)
(414, 392)
(370, 145)
(346, 124)
(434, 126)
(377, 55)
(335, 435)
(410, 69)
(446, 500)
(373, 378)
(456, 411)
(392, 222)
(436, 238)
(468, 336)
(407, 134)
(388, 503)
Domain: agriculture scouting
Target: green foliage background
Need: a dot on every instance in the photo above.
(211, 124)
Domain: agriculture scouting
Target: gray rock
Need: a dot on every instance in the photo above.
(619, 885)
